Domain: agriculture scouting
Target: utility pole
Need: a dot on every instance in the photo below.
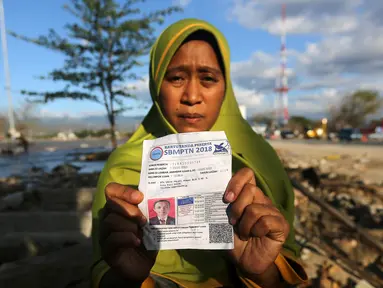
(12, 131)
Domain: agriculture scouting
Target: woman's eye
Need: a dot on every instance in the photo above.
(209, 79)
(176, 79)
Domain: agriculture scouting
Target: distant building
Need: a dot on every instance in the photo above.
(66, 136)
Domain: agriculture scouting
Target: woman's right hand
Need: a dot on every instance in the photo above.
(121, 234)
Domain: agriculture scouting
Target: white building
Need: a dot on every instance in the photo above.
(66, 136)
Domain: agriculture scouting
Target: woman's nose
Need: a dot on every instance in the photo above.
(192, 94)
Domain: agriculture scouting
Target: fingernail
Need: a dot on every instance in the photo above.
(136, 196)
(229, 196)
(138, 241)
(143, 221)
(232, 221)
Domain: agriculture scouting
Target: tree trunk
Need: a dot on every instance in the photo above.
(113, 131)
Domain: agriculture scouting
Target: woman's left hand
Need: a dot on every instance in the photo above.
(260, 229)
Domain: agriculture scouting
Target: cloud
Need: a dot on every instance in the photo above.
(302, 16)
(318, 102)
(358, 53)
(259, 72)
(323, 82)
(249, 98)
(349, 52)
(374, 11)
(304, 107)
(182, 3)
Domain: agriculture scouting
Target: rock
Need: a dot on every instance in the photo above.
(13, 180)
(100, 156)
(68, 267)
(364, 160)
(35, 171)
(358, 166)
(344, 200)
(303, 164)
(12, 201)
(293, 165)
(314, 162)
(337, 273)
(311, 175)
(42, 221)
(332, 175)
(20, 245)
(66, 169)
(363, 284)
(85, 198)
(368, 181)
(65, 199)
(311, 189)
(305, 254)
(6, 188)
(323, 162)
(346, 245)
(85, 223)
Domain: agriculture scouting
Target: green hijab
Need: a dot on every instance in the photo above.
(249, 149)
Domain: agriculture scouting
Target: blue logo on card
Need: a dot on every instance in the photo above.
(221, 148)
(156, 153)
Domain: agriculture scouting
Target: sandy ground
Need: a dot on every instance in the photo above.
(364, 161)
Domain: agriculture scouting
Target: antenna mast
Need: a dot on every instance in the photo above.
(282, 86)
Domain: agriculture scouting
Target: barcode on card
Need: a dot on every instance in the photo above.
(220, 233)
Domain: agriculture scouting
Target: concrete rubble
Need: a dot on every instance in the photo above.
(339, 219)
(45, 224)
(45, 227)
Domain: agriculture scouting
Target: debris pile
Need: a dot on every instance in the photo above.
(45, 224)
(339, 221)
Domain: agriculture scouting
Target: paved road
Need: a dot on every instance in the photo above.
(348, 157)
(323, 142)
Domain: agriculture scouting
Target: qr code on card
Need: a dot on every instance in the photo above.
(220, 233)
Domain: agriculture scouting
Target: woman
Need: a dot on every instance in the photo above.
(191, 91)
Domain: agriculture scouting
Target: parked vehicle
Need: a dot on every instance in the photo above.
(345, 134)
(287, 134)
(377, 135)
(356, 135)
(350, 134)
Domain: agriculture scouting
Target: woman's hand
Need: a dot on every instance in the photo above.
(260, 229)
(121, 234)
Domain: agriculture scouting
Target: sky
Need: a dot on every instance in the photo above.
(333, 48)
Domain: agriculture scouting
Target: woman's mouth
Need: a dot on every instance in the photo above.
(191, 118)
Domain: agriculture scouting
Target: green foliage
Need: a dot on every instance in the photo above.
(91, 133)
(355, 107)
(300, 121)
(46, 135)
(100, 50)
(261, 118)
(376, 122)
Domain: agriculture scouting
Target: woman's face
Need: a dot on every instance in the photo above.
(193, 88)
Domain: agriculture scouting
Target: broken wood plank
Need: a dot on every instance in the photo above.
(362, 233)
